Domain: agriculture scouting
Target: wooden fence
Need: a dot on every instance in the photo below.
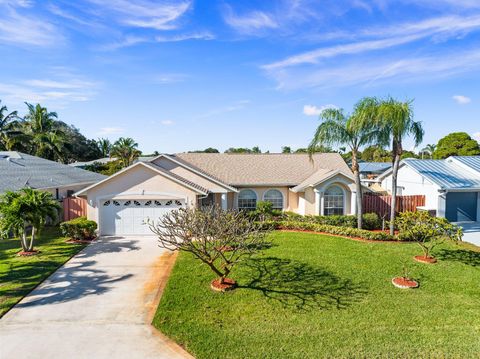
(74, 207)
(381, 205)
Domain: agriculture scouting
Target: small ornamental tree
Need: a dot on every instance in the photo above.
(24, 209)
(218, 238)
(426, 230)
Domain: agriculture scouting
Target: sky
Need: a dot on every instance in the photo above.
(189, 74)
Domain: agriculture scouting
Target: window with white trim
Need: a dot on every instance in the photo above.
(275, 197)
(333, 201)
(247, 199)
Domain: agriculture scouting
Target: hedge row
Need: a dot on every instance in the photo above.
(370, 220)
(325, 228)
(79, 228)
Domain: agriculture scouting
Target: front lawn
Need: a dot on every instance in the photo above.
(19, 275)
(311, 296)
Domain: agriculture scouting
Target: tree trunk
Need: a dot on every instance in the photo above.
(358, 185)
(32, 240)
(397, 151)
(23, 240)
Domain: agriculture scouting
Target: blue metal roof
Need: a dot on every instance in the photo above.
(374, 167)
(470, 161)
(446, 174)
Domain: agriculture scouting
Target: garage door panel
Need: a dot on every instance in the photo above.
(127, 217)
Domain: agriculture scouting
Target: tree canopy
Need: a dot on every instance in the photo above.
(456, 144)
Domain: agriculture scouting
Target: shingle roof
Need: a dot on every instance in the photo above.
(263, 169)
(447, 175)
(177, 177)
(19, 170)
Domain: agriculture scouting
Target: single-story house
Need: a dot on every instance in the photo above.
(451, 186)
(19, 170)
(291, 182)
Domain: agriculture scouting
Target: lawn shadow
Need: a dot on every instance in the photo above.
(72, 282)
(299, 285)
(464, 256)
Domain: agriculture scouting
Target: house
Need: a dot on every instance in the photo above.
(451, 186)
(369, 171)
(152, 187)
(19, 170)
(101, 161)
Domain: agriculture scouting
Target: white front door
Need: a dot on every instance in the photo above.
(127, 216)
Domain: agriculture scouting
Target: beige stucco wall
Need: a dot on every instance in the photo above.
(189, 175)
(260, 191)
(138, 182)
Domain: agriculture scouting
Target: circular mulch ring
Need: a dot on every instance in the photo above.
(423, 259)
(28, 253)
(228, 284)
(404, 283)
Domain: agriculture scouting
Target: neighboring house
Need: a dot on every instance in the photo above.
(369, 171)
(451, 186)
(102, 161)
(19, 170)
(150, 188)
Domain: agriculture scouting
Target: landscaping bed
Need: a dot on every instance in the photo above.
(19, 275)
(311, 296)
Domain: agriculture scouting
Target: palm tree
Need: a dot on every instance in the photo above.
(125, 149)
(26, 208)
(396, 123)
(46, 138)
(354, 132)
(105, 146)
(429, 149)
(8, 128)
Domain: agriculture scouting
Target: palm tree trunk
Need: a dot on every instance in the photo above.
(358, 185)
(23, 240)
(32, 240)
(396, 163)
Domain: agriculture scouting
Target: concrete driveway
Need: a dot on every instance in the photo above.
(98, 305)
(471, 232)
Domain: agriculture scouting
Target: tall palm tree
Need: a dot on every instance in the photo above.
(8, 128)
(26, 208)
(354, 132)
(126, 150)
(105, 146)
(46, 138)
(396, 123)
(429, 149)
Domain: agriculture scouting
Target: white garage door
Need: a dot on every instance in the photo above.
(126, 217)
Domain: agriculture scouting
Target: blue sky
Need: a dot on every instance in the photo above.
(189, 74)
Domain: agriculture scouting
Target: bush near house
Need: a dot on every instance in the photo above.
(79, 228)
(371, 221)
(326, 228)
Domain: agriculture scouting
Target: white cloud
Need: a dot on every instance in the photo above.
(158, 15)
(105, 131)
(249, 23)
(476, 136)
(183, 37)
(312, 110)
(167, 122)
(167, 78)
(461, 100)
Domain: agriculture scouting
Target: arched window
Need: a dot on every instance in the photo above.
(333, 201)
(247, 199)
(275, 197)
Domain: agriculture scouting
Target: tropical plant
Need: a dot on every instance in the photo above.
(456, 144)
(218, 238)
(125, 150)
(395, 120)
(428, 150)
(26, 209)
(8, 128)
(46, 138)
(354, 131)
(426, 230)
(105, 146)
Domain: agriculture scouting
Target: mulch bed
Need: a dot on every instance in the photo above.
(28, 254)
(404, 283)
(228, 284)
(423, 259)
(81, 241)
(340, 236)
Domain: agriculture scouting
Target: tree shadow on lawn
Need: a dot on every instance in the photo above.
(299, 285)
(464, 256)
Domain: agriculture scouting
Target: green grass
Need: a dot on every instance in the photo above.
(314, 296)
(19, 275)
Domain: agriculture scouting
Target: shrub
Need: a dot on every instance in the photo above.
(79, 228)
(337, 230)
(426, 230)
(264, 211)
(370, 220)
